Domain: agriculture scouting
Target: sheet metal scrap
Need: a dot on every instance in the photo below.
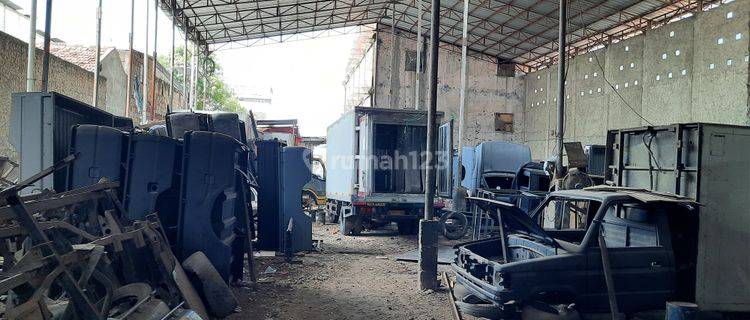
(65, 254)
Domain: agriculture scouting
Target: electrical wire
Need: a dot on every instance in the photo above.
(604, 76)
(650, 158)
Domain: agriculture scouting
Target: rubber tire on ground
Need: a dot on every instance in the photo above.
(479, 310)
(352, 225)
(543, 311)
(408, 227)
(216, 294)
(332, 217)
(454, 234)
(136, 291)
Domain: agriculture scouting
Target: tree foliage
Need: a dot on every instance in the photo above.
(212, 92)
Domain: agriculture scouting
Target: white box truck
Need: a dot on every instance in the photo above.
(375, 161)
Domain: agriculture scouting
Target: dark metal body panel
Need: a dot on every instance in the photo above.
(41, 125)
(208, 194)
(644, 276)
(101, 153)
(152, 183)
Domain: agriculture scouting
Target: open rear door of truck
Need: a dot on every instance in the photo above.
(445, 159)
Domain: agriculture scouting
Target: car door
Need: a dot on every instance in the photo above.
(642, 266)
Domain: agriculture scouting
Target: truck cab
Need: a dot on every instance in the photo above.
(554, 255)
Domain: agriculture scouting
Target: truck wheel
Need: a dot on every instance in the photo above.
(407, 227)
(332, 217)
(454, 225)
(351, 225)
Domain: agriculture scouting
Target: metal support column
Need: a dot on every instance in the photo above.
(171, 59)
(194, 78)
(428, 228)
(185, 93)
(129, 85)
(45, 57)
(97, 65)
(394, 56)
(561, 87)
(31, 54)
(152, 111)
(144, 95)
(462, 105)
(418, 74)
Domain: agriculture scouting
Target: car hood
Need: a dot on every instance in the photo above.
(515, 220)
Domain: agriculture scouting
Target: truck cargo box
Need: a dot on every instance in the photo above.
(709, 163)
(376, 154)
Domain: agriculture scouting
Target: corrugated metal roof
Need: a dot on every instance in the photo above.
(522, 31)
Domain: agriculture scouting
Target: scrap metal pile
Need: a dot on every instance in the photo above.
(138, 225)
(67, 256)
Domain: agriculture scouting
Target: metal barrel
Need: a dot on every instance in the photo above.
(681, 311)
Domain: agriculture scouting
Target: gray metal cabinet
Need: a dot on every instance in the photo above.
(709, 163)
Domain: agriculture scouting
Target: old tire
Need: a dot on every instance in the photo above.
(543, 311)
(126, 297)
(453, 225)
(218, 297)
(480, 309)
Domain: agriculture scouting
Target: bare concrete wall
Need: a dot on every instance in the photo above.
(117, 80)
(693, 70)
(64, 77)
(486, 92)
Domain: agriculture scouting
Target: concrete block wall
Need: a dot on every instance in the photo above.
(692, 70)
(64, 77)
(487, 93)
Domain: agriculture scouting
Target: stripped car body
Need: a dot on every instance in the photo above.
(553, 255)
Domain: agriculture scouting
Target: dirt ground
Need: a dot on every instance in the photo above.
(349, 278)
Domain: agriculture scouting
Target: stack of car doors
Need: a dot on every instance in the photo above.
(197, 180)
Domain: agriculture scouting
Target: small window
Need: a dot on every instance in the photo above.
(629, 226)
(504, 121)
(411, 61)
